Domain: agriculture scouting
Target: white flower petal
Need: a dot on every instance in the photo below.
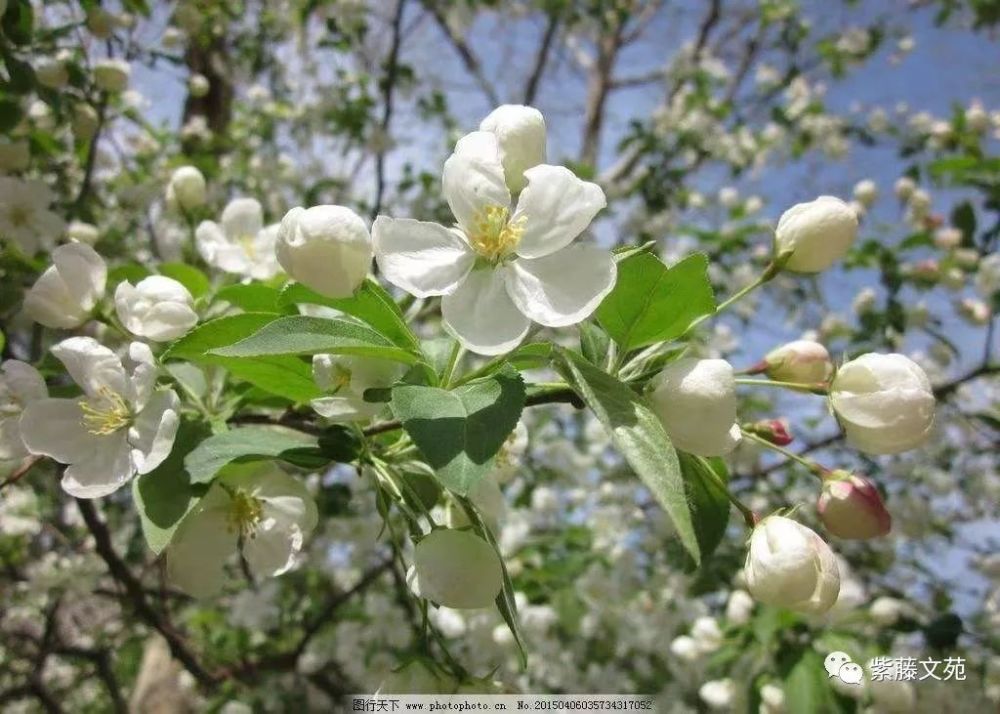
(105, 469)
(242, 217)
(349, 408)
(92, 365)
(54, 427)
(555, 208)
(272, 549)
(201, 546)
(473, 178)
(152, 433)
(141, 368)
(424, 259)
(562, 288)
(83, 271)
(482, 316)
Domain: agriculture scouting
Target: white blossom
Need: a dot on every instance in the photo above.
(457, 569)
(20, 385)
(520, 132)
(67, 292)
(240, 243)
(25, 218)
(502, 268)
(119, 427)
(695, 400)
(817, 234)
(346, 378)
(327, 248)
(186, 188)
(157, 308)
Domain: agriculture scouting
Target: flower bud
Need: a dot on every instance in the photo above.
(988, 276)
(884, 402)
(788, 565)
(520, 131)
(773, 430)
(198, 85)
(904, 188)
(800, 361)
(718, 693)
(100, 22)
(966, 257)
(886, 611)
(817, 234)
(82, 232)
(695, 400)
(457, 569)
(850, 507)
(327, 248)
(864, 301)
(66, 293)
(157, 308)
(948, 238)
(112, 75)
(976, 117)
(51, 73)
(975, 312)
(926, 272)
(739, 607)
(187, 187)
(865, 192)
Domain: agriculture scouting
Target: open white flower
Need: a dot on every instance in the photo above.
(25, 218)
(695, 400)
(502, 267)
(20, 385)
(119, 427)
(241, 244)
(347, 378)
(255, 509)
(157, 308)
(885, 403)
(67, 292)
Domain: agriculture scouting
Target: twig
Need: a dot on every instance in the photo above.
(469, 59)
(541, 59)
(21, 470)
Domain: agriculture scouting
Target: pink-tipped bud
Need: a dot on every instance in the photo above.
(850, 507)
(774, 430)
(801, 361)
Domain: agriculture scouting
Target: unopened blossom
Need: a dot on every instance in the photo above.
(788, 565)
(67, 292)
(119, 427)
(816, 234)
(82, 232)
(776, 431)
(739, 607)
(112, 75)
(25, 215)
(20, 385)
(975, 312)
(947, 238)
(240, 243)
(457, 569)
(966, 257)
(904, 188)
(504, 266)
(865, 192)
(799, 361)
(977, 118)
(695, 399)
(51, 72)
(685, 648)
(919, 204)
(100, 22)
(706, 634)
(886, 611)
(851, 507)
(345, 378)
(157, 308)
(718, 693)
(256, 510)
(186, 188)
(198, 85)
(520, 132)
(987, 280)
(327, 248)
(772, 699)
(884, 402)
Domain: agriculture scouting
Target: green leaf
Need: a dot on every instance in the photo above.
(806, 686)
(133, 272)
(10, 114)
(460, 431)
(652, 303)
(18, 22)
(709, 502)
(252, 297)
(371, 304)
(639, 436)
(165, 495)
(251, 443)
(193, 279)
(594, 342)
(963, 217)
(301, 335)
(288, 377)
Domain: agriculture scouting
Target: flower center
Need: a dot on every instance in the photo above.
(245, 512)
(493, 235)
(247, 241)
(106, 413)
(340, 378)
(19, 216)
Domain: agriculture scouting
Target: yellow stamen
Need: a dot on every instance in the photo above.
(494, 236)
(245, 512)
(106, 413)
(247, 241)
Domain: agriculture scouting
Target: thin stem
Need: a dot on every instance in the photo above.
(814, 388)
(812, 466)
(457, 352)
(769, 272)
(749, 517)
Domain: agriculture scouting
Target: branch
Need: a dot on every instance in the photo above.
(21, 470)
(137, 596)
(388, 87)
(469, 59)
(88, 170)
(541, 59)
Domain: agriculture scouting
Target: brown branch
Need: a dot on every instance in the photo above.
(541, 59)
(20, 471)
(136, 595)
(388, 85)
(598, 88)
(469, 59)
